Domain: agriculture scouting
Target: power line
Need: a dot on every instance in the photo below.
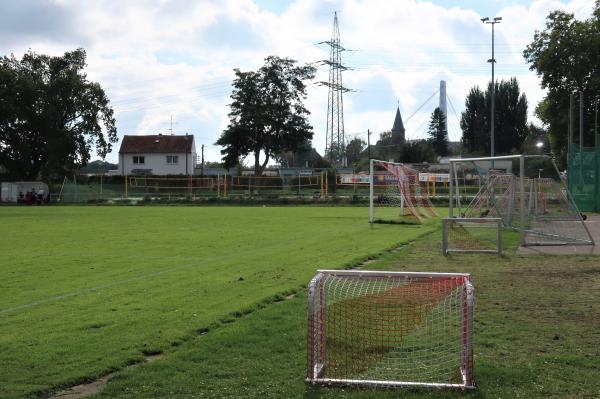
(422, 105)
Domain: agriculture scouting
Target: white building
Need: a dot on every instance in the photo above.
(157, 155)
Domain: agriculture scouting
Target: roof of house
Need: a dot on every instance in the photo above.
(157, 144)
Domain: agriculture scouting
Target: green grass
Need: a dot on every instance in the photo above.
(88, 290)
(537, 335)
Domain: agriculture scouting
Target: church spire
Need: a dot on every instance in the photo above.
(398, 128)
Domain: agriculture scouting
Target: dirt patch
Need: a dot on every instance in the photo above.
(94, 387)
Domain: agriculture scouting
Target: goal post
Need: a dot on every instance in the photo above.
(396, 195)
(390, 329)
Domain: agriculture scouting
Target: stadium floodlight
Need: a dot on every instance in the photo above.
(493, 22)
(392, 329)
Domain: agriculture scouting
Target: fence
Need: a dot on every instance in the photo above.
(584, 176)
(322, 184)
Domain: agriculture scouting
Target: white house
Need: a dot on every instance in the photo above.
(157, 155)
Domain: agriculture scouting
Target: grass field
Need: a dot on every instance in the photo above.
(88, 290)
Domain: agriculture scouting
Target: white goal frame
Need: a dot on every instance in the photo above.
(317, 343)
(447, 223)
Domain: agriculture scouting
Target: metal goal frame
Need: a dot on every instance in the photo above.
(446, 225)
(317, 327)
(454, 195)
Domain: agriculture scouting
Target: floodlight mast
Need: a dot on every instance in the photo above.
(494, 21)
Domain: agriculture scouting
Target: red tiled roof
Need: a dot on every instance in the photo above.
(157, 144)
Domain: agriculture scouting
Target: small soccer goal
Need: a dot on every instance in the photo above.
(396, 195)
(472, 235)
(391, 329)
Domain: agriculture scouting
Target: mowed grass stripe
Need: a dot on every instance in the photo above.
(189, 268)
(119, 256)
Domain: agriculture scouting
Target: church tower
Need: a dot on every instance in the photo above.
(398, 136)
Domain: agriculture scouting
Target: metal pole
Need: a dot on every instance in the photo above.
(445, 236)
(493, 147)
(596, 160)
(450, 187)
(522, 199)
(371, 191)
(596, 124)
(571, 106)
(581, 141)
(369, 143)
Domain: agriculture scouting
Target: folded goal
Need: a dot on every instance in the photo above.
(390, 329)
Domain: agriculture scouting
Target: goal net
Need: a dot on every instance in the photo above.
(526, 192)
(472, 235)
(390, 329)
(396, 195)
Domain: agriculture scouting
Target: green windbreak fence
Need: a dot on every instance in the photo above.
(584, 177)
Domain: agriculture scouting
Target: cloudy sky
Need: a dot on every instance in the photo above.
(159, 59)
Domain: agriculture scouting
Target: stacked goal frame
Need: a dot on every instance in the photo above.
(390, 329)
(526, 191)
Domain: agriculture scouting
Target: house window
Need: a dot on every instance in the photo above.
(172, 159)
(137, 160)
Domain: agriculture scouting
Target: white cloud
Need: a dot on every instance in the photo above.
(161, 58)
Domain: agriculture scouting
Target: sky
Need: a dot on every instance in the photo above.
(163, 60)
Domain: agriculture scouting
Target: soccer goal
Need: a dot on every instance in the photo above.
(526, 192)
(396, 195)
(392, 329)
(472, 235)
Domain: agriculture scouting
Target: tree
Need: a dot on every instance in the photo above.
(354, 150)
(566, 57)
(305, 154)
(99, 166)
(438, 134)
(386, 149)
(267, 114)
(510, 121)
(418, 151)
(51, 116)
(473, 122)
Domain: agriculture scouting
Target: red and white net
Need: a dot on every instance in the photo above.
(390, 329)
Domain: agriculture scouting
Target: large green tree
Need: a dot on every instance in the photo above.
(438, 133)
(566, 55)
(386, 148)
(418, 151)
(267, 114)
(354, 151)
(51, 115)
(510, 119)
